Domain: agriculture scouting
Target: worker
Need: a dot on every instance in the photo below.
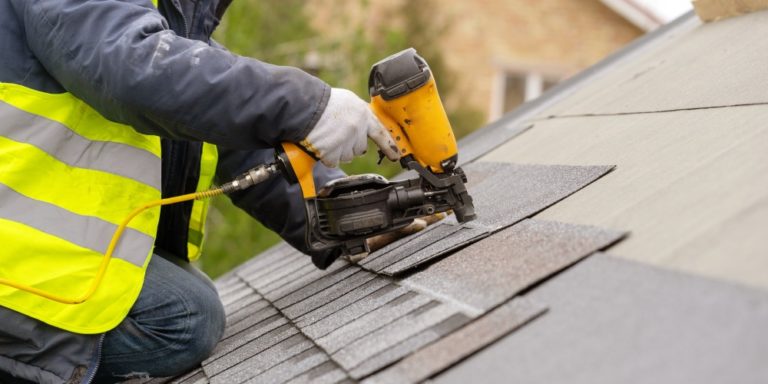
(105, 105)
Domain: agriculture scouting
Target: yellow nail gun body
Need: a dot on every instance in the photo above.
(345, 212)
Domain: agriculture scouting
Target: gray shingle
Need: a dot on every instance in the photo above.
(322, 297)
(616, 321)
(391, 334)
(293, 367)
(408, 346)
(359, 293)
(232, 297)
(492, 271)
(248, 343)
(432, 235)
(244, 308)
(451, 349)
(248, 367)
(326, 373)
(507, 194)
(279, 278)
(467, 234)
(269, 271)
(299, 280)
(249, 321)
(343, 334)
(318, 290)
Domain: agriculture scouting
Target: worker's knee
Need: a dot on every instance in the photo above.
(174, 325)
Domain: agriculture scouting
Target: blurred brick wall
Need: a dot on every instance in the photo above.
(558, 36)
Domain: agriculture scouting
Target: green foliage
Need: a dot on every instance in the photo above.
(279, 32)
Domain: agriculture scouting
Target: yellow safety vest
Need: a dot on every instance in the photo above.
(68, 177)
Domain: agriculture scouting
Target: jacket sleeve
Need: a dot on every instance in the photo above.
(120, 58)
(275, 203)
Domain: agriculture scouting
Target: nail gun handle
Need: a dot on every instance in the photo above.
(296, 165)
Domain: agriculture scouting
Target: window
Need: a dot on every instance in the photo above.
(514, 88)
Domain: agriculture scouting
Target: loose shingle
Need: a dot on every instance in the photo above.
(467, 234)
(492, 271)
(453, 348)
(507, 194)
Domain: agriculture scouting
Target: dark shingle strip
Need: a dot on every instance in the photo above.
(466, 234)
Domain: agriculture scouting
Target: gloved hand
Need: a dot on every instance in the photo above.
(343, 129)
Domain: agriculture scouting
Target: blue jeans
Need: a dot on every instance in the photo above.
(174, 325)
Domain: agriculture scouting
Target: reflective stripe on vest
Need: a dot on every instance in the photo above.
(196, 236)
(68, 177)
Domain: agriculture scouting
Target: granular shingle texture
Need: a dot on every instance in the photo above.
(288, 321)
(503, 195)
(492, 271)
(617, 321)
(458, 345)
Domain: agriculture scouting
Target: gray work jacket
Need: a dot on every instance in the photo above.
(160, 73)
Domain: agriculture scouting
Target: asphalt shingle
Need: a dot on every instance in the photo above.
(355, 310)
(618, 321)
(507, 194)
(491, 271)
(450, 349)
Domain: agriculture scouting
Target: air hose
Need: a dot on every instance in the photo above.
(251, 177)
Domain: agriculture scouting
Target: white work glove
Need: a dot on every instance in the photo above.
(343, 129)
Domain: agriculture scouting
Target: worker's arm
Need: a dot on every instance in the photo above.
(275, 203)
(120, 58)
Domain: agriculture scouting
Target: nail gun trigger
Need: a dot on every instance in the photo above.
(381, 157)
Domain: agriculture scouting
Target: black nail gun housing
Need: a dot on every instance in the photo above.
(349, 210)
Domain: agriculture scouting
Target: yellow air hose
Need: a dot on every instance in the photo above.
(253, 176)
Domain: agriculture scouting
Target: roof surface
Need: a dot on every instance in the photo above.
(656, 157)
